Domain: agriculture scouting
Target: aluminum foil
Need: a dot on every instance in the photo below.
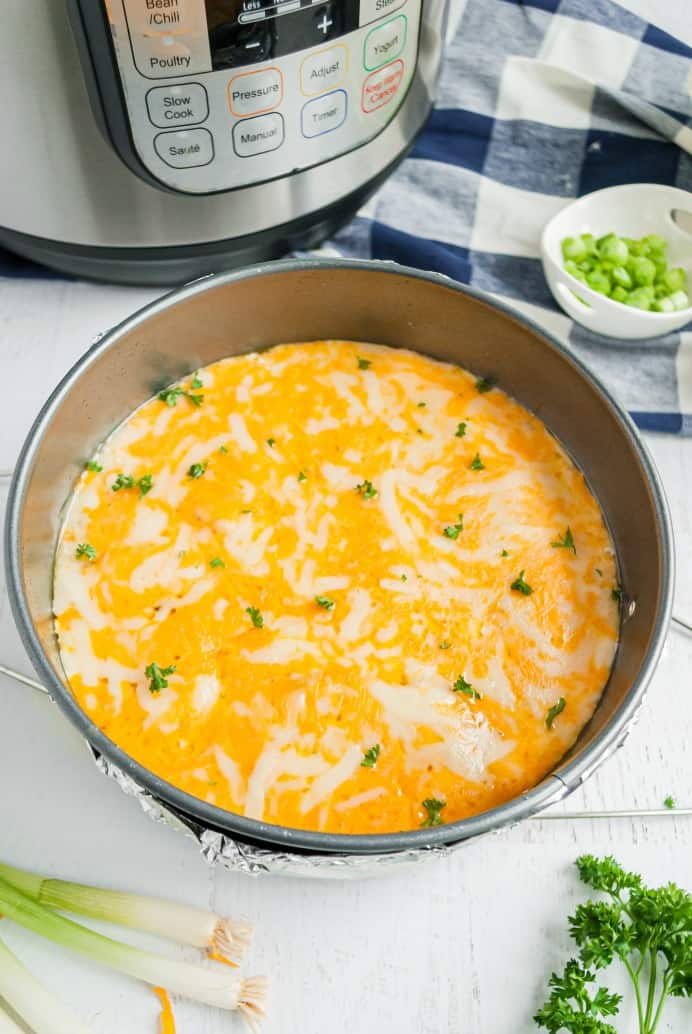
(221, 849)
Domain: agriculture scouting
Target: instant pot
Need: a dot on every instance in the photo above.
(153, 141)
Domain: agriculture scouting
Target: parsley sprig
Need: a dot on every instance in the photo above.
(370, 756)
(158, 676)
(648, 929)
(85, 551)
(566, 542)
(434, 808)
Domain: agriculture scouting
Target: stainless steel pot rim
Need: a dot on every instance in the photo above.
(564, 780)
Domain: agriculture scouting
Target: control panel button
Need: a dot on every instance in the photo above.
(323, 70)
(185, 148)
(324, 114)
(382, 86)
(253, 93)
(258, 135)
(385, 42)
(168, 37)
(371, 10)
(184, 104)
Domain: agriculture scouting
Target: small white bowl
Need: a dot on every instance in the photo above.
(632, 210)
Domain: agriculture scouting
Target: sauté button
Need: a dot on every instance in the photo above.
(181, 105)
(252, 93)
(323, 70)
(324, 114)
(385, 42)
(186, 148)
(382, 86)
(258, 135)
(371, 10)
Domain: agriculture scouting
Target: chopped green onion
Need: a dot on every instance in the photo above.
(461, 430)
(93, 466)
(325, 602)
(364, 364)
(123, 481)
(453, 531)
(255, 616)
(184, 924)
(144, 483)
(477, 463)
(484, 384)
(38, 1007)
(365, 488)
(445, 645)
(554, 711)
(158, 676)
(519, 585)
(669, 802)
(302, 476)
(271, 442)
(421, 405)
(209, 986)
(196, 470)
(370, 757)
(462, 686)
(216, 562)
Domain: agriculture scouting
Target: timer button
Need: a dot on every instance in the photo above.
(186, 148)
(324, 114)
(184, 104)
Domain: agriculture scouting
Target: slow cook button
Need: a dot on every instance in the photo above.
(371, 10)
(323, 70)
(385, 42)
(253, 93)
(258, 135)
(382, 86)
(182, 105)
(324, 114)
(185, 148)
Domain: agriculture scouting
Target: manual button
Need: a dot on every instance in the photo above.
(385, 42)
(182, 105)
(186, 148)
(258, 135)
(323, 70)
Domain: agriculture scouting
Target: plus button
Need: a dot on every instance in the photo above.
(325, 24)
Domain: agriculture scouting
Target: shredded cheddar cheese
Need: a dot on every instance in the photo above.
(320, 565)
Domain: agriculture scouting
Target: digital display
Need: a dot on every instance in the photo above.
(243, 32)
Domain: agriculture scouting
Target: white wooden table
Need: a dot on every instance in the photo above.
(461, 945)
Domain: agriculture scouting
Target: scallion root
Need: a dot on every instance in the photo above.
(252, 997)
(230, 939)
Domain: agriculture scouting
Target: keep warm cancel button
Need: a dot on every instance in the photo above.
(382, 86)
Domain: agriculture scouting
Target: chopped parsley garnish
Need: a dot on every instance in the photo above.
(519, 585)
(554, 711)
(171, 395)
(477, 463)
(434, 808)
(302, 476)
(93, 466)
(669, 803)
(453, 531)
(196, 470)
(616, 594)
(598, 571)
(404, 577)
(158, 676)
(216, 562)
(196, 382)
(85, 551)
(445, 645)
(370, 757)
(461, 430)
(462, 686)
(484, 384)
(325, 602)
(366, 490)
(504, 553)
(255, 616)
(566, 542)
(271, 442)
(364, 364)
(421, 405)
(144, 484)
(223, 450)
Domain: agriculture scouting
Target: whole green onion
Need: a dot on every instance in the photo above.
(211, 986)
(182, 923)
(33, 1003)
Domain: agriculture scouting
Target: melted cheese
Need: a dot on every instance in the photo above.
(273, 721)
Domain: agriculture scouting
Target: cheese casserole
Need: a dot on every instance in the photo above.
(338, 587)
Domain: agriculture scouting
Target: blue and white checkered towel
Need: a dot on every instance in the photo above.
(540, 101)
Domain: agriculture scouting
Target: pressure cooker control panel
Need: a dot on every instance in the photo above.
(220, 94)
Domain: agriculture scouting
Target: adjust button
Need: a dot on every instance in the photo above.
(258, 135)
(385, 42)
(182, 105)
(323, 70)
(253, 93)
(382, 86)
(186, 148)
(324, 114)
